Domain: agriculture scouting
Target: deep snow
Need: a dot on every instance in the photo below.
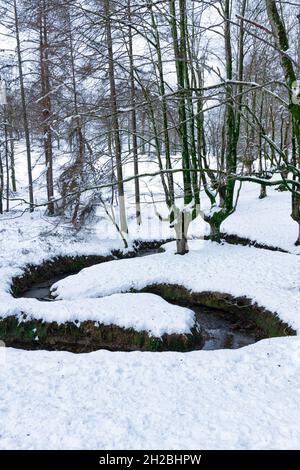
(233, 399)
(241, 399)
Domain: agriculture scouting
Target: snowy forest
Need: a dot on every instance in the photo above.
(149, 201)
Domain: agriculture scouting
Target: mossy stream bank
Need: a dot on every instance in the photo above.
(222, 320)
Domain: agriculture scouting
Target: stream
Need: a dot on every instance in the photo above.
(222, 329)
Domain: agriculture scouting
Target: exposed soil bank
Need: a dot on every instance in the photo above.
(268, 324)
(87, 336)
(235, 321)
(91, 336)
(60, 266)
(237, 240)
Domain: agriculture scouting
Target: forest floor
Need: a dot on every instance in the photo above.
(227, 399)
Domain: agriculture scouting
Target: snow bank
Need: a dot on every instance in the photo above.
(272, 279)
(266, 221)
(230, 399)
(227, 399)
(142, 312)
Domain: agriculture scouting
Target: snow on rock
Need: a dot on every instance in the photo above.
(272, 279)
(229, 399)
(142, 312)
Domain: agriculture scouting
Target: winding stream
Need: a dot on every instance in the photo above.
(222, 329)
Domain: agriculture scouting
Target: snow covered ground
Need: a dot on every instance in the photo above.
(266, 221)
(233, 399)
(241, 399)
(235, 270)
(143, 312)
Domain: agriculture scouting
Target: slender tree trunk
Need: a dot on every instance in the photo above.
(182, 221)
(180, 59)
(191, 116)
(231, 150)
(12, 157)
(143, 129)
(282, 41)
(1, 184)
(231, 129)
(115, 119)
(134, 121)
(157, 146)
(24, 109)
(164, 105)
(46, 105)
(297, 243)
(263, 188)
(180, 52)
(80, 157)
(6, 157)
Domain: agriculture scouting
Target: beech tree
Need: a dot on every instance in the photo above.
(282, 41)
(191, 88)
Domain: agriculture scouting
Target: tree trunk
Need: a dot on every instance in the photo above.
(263, 188)
(143, 133)
(6, 158)
(179, 46)
(297, 243)
(164, 105)
(282, 41)
(80, 157)
(215, 231)
(115, 119)
(134, 122)
(181, 246)
(46, 106)
(24, 109)
(230, 123)
(12, 157)
(296, 212)
(263, 191)
(181, 226)
(1, 185)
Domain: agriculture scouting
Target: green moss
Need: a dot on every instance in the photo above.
(155, 344)
(58, 266)
(89, 336)
(65, 265)
(268, 324)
